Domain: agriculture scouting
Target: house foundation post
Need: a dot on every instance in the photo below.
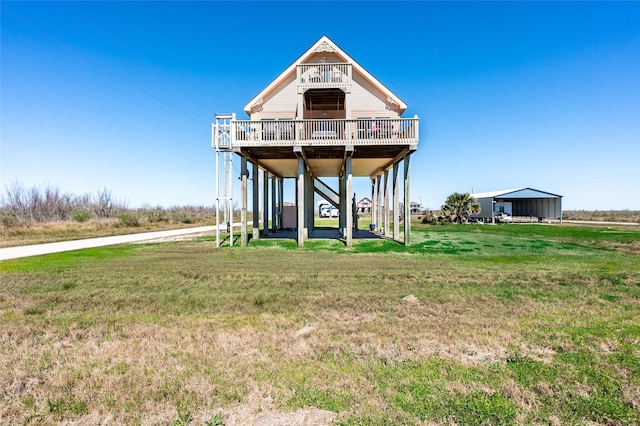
(342, 214)
(345, 206)
(374, 203)
(407, 201)
(300, 199)
(256, 201)
(309, 203)
(244, 235)
(273, 204)
(265, 202)
(385, 191)
(396, 203)
(354, 212)
(280, 202)
(380, 223)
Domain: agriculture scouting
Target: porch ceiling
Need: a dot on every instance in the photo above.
(324, 99)
(324, 161)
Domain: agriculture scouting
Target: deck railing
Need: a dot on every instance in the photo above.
(324, 75)
(387, 131)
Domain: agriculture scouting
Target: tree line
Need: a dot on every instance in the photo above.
(19, 204)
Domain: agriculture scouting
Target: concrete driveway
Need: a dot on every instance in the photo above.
(40, 249)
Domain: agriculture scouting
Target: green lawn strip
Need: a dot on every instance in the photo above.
(587, 236)
(69, 259)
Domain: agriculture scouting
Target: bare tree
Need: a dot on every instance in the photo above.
(15, 200)
(103, 203)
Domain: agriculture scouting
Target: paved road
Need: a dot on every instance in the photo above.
(40, 249)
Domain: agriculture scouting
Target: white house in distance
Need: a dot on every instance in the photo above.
(416, 208)
(523, 204)
(364, 205)
(323, 116)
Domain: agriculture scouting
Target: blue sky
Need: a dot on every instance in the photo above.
(120, 95)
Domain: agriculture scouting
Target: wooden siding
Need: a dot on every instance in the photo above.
(282, 99)
(364, 96)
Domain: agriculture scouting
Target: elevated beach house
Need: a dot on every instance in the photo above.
(323, 116)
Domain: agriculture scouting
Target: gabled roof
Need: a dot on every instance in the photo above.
(328, 45)
(516, 193)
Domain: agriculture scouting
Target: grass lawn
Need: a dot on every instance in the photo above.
(517, 324)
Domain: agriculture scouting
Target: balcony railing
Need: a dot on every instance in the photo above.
(398, 131)
(324, 75)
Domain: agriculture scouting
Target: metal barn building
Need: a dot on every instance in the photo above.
(523, 204)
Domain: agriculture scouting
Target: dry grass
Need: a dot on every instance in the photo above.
(631, 216)
(278, 335)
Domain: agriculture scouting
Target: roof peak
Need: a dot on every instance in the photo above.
(325, 44)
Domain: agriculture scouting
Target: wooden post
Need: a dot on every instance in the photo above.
(342, 214)
(244, 235)
(407, 202)
(396, 203)
(280, 202)
(374, 202)
(379, 224)
(348, 190)
(300, 200)
(308, 203)
(256, 202)
(273, 204)
(386, 202)
(265, 203)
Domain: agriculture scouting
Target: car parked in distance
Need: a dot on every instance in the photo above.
(474, 221)
(325, 210)
(504, 218)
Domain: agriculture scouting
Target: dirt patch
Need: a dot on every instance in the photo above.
(258, 409)
(411, 299)
(310, 417)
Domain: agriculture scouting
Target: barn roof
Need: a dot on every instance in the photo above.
(516, 193)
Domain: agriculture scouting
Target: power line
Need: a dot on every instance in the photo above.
(114, 40)
(66, 46)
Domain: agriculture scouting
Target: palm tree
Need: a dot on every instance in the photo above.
(459, 206)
